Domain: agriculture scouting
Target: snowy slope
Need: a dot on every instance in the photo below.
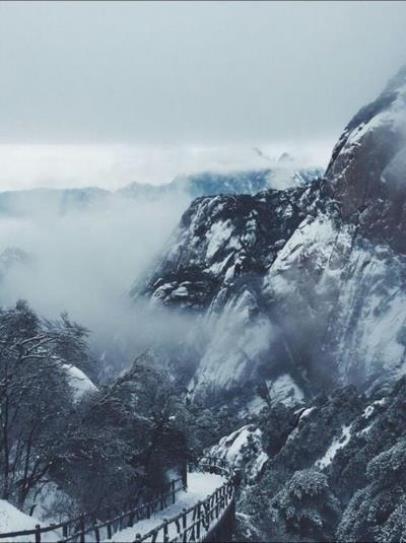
(13, 520)
(242, 449)
(79, 381)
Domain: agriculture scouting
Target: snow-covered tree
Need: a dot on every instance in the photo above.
(374, 512)
(305, 509)
(35, 399)
(123, 440)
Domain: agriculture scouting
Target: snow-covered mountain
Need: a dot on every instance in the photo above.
(304, 286)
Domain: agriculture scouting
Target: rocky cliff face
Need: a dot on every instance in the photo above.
(304, 288)
(367, 170)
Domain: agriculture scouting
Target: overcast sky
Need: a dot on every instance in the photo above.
(168, 73)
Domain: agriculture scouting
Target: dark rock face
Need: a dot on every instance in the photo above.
(228, 240)
(368, 167)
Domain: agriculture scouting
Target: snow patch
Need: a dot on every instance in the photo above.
(337, 444)
(217, 236)
(79, 381)
(285, 390)
(14, 520)
(244, 446)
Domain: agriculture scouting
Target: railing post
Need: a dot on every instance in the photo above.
(173, 491)
(184, 524)
(131, 519)
(184, 475)
(204, 516)
(82, 528)
(198, 522)
(217, 504)
(207, 515)
(165, 528)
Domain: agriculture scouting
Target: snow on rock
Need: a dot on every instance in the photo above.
(307, 281)
(237, 341)
(252, 407)
(218, 236)
(283, 389)
(336, 445)
(306, 412)
(366, 429)
(350, 288)
(370, 409)
(215, 265)
(79, 381)
(14, 520)
(303, 414)
(242, 448)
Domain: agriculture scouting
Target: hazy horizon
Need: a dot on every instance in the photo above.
(111, 167)
(105, 94)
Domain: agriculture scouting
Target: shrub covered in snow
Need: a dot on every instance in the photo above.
(375, 511)
(305, 508)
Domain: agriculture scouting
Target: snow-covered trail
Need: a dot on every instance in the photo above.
(200, 485)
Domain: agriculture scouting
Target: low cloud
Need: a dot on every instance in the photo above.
(113, 166)
(85, 261)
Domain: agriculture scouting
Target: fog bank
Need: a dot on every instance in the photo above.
(85, 261)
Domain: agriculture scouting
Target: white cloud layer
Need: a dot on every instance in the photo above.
(113, 166)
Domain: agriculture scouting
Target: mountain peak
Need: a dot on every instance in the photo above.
(397, 83)
(366, 170)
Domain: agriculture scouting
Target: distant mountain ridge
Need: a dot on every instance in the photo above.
(209, 183)
(61, 201)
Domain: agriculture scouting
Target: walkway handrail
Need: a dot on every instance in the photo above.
(199, 521)
(75, 530)
(128, 518)
(193, 524)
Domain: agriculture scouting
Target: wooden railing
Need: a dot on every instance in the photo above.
(105, 530)
(75, 530)
(203, 522)
(206, 520)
